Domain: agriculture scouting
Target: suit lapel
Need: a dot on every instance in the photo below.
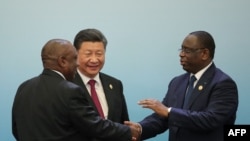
(201, 85)
(181, 90)
(109, 91)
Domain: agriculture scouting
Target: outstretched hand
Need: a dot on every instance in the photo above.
(155, 105)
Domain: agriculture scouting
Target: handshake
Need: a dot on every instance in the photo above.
(152, 104)
(136, 130)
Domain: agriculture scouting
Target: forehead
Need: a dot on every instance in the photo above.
(90, 44)
(190, 41)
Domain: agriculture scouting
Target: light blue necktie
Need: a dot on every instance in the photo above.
(189, 91)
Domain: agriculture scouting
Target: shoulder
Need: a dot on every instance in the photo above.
(69, 85)
(104, 76)
(70, 89)
(29, 82)
(220, 75)
(180, 78)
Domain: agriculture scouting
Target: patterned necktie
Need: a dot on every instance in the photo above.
(189, 90)
(95, 97)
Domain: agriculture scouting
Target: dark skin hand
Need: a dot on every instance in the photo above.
(155, 105)
(137, 127)
(135, 130)
(152, 104)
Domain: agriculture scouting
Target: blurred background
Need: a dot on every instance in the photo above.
(143, 41)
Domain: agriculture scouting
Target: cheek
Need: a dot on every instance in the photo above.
(81, 60)
(192, 58)
(102, 59)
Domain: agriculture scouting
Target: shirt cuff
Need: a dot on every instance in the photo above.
(169, 109)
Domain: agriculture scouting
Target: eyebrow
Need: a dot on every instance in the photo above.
(185, 47)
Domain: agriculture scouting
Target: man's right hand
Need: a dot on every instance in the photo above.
(135, 130)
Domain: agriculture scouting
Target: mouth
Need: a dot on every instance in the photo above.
(182, 63)
(93, 67)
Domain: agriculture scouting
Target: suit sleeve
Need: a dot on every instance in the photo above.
(14, 126)
(87, 120)
(125, 115)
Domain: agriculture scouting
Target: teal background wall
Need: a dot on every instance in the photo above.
(144, 37)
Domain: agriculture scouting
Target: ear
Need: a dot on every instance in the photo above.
(205, 54)
(62, 61)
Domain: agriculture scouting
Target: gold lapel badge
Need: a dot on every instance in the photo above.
(110, 86)
(200, 87)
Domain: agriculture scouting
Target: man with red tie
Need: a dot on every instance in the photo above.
(106, 94)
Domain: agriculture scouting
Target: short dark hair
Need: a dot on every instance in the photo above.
(91, 34)
(206, 40)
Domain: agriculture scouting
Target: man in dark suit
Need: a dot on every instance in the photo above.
(91, 47)
(50, 108)
(212, 103)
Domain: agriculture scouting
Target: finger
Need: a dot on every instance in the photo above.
(134, 139)
(128, 123)
(142, 102)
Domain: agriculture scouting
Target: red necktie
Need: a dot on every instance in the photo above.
(95, 97)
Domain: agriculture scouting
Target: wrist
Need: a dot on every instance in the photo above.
(169, 109)
(139, 128)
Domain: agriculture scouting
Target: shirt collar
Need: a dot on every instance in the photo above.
(200, 73)
(86, 79)
(59, 74)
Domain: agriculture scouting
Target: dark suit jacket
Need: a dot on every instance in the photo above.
(49, 108)
(113, 90)
(212, 105)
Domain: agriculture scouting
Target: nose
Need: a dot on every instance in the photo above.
(182, 53)
(93, 59)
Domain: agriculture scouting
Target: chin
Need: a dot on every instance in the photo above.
(184, 68)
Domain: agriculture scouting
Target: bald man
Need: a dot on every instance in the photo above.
(50, 108)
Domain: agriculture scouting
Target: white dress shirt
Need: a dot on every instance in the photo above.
(99, 91)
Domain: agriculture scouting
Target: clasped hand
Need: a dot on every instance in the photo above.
(152, 104)
(135, 130)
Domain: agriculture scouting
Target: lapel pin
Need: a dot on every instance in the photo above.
(110, 86)
(200, 87)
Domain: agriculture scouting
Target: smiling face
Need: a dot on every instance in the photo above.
(91, 58)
